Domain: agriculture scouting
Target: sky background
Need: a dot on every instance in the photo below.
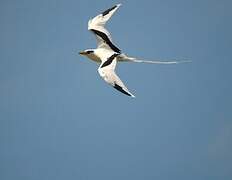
(60, 120)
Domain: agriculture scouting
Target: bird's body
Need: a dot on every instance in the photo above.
(107, 54)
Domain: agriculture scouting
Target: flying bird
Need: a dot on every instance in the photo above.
(107, 54)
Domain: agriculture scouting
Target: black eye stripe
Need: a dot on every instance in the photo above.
(89, 52)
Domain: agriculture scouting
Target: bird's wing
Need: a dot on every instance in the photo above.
(107, 72)
(97, 26)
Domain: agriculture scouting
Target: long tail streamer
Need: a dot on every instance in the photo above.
(158, 62)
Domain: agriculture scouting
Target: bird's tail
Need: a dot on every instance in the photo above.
(123, 57)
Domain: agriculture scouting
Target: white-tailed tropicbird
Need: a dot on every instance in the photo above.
(107, 54)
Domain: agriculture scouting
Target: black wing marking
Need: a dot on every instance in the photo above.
(108, 10)
(109, 60)
(106, 39)
(89, 51)
(119, 88)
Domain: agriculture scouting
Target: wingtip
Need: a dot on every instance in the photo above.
(119, 4)
(133, 96)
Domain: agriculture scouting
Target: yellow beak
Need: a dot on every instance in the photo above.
(82, 53)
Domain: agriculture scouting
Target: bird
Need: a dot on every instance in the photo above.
(107, 54)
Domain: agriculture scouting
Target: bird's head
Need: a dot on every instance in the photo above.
(87, 52)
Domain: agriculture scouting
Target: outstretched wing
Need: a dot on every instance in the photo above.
(96, 25)
(106, 71)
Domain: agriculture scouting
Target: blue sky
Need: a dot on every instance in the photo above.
(60, 120)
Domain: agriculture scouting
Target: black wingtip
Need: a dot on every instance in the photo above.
(108, 10)
(119, 88)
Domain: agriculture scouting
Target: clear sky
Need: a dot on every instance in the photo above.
(59, 120)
